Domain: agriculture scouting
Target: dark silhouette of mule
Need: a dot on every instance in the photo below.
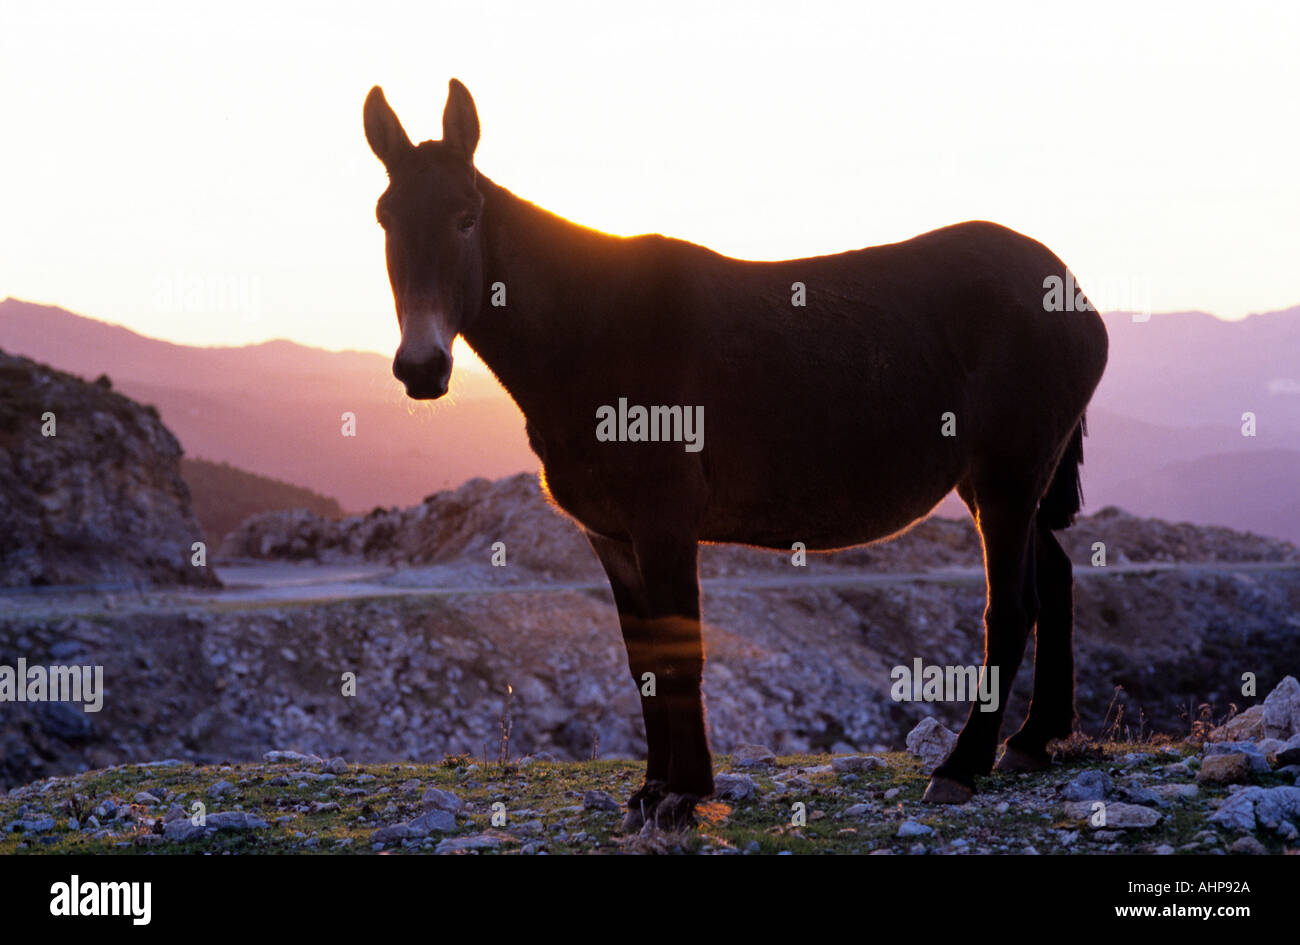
(912, 369)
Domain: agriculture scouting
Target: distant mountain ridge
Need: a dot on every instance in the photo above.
(1165, 425)
(275, 409)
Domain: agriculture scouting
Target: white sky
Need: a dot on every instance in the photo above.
(200, 173)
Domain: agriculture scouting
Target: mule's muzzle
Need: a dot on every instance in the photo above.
(425, 378)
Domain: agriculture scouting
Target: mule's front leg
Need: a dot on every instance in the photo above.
(620, 566)
(669, 570)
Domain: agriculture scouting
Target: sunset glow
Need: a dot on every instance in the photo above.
(202, 176)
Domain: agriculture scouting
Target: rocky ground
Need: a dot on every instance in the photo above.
(1224, 794)
(101, 499)
(799, 669)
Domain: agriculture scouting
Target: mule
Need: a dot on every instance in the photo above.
(912, 369)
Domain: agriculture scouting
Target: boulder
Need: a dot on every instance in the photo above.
(930, 742)
(1233, 768)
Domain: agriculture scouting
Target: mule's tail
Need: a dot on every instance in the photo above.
(1064, 496)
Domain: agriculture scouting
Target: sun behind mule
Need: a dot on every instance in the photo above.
(913, 368)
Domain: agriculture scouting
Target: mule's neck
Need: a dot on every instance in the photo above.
(541, 260)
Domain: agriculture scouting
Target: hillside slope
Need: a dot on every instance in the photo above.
(90, 486)
(224, 497)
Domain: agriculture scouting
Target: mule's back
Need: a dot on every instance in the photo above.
(843, 402)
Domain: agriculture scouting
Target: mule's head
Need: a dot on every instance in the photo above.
(430, 215)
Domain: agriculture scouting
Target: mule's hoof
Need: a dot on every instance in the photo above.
(676, 812)
(1013, 759)
(946, 791)
(641, 806)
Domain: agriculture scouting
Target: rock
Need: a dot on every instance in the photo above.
(734, 787)
(910, 828)
(751, 756)
(1248, 846)
(1270, 746)
(603, 801)
(180, 831)
(64, 721)
(527, 760)
(234, 820)
(1259, 808)
(1289, 753)
(290, 757)
(1233, 768)
(1130, 816)
(856, 764)
(1181, 792)
(1135, 793)
(1282, 710)
(1247, 725)
(931, 742)
(1258, 760)
(1117, 816)
(466, 844)
(220, 788)
(1088, 786)
(32, 825)
(417, 828)
(438, 799)
(390, 834)
(439, 821)
(144, 797)
(858, 810)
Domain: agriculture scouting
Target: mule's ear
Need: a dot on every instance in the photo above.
(384, 132)
(460, 121)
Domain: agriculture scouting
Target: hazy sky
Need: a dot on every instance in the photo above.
(203, 176)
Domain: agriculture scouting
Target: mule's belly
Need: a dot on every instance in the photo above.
(821, 520)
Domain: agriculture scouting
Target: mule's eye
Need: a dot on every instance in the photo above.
(467, 222)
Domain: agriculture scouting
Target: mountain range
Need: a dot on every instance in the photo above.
(1165, 426)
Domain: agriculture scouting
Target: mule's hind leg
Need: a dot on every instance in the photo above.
(1005, 527)
(620, 566)
(1051, 711)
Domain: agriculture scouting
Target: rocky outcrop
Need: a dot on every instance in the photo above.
(463, 524)
(90, 489)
